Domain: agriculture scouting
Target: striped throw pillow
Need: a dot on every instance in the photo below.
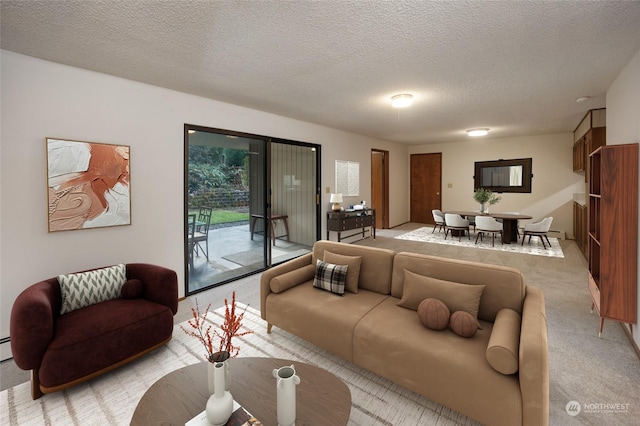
(330, 277)
(88, 288)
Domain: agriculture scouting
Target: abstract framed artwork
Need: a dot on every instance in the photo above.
(88, 185)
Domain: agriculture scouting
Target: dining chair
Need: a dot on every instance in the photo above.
(538, 229)
(438, 217)
(488, 225)
(455, 222)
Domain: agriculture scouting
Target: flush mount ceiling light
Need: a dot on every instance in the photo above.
(583, 99)
(401, 101)
(477, 132)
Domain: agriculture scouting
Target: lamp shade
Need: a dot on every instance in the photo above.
(335, 198)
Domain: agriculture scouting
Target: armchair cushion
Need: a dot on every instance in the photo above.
(88, 288)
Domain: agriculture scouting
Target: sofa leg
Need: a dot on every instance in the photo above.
(269, 325)
(36, 392)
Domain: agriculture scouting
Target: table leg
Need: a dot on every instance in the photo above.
(510, 230)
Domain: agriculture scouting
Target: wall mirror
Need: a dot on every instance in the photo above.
(504, 175)
(348, 178)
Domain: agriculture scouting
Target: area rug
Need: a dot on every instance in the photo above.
(254, 256)
(111, 399)
(534, 247)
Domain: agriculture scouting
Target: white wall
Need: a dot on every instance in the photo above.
(623, 124)
(41, 99)
(552, 186)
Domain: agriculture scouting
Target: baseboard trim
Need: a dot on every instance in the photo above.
(630, 337)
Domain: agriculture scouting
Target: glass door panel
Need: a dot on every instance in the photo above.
(250, 203)
(226, 175)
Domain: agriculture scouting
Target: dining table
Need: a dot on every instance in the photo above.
(509, 222)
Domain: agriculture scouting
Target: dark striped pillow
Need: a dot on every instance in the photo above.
(330, 277)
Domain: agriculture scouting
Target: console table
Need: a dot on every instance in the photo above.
(348, 220)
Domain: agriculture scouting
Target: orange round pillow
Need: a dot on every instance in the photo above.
(463, 324)
(433, 314)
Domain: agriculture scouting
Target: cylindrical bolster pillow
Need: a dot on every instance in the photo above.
(502, 351)
(293, 278)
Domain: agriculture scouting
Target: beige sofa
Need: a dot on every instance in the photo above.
(368, 328)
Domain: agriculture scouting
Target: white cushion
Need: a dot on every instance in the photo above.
(88, 288)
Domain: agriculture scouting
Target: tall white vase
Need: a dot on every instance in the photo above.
(220, 404)
(211, 384)
(286, 381)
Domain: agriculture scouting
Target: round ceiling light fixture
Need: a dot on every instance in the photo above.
(478, 132)
(583, 99)
(402, 101)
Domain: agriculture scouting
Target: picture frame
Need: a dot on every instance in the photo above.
(88, 184)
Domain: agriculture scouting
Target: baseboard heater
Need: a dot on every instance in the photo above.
(556, 234)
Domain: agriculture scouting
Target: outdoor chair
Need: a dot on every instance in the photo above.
(201, 234)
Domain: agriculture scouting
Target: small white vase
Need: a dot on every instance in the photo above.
(220, 404)
(286, 381)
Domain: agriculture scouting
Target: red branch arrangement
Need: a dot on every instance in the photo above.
(229, 329)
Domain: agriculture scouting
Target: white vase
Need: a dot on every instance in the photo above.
(220, 404)
(286, 381)
(210, 373)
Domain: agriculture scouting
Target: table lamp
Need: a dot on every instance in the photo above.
(336, 199)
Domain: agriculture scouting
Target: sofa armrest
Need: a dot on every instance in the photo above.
(265, 279)
(32, 323)
(160, 284)
(534, 360)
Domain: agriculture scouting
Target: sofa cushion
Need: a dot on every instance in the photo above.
(463, 324)
(376, 267)
(292, 278)
(320, 317)
(504, 344)
(505, 286)
(353, 273)
(330, 277)
(87, 288)
(437, 364)
(132, 289)
(433, 314)
(457, 297)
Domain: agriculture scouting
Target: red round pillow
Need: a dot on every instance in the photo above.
(433, 314)
(463, 324)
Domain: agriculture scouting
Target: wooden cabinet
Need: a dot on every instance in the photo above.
(579, 156)
(613, 232)
(580, 227)
(349, 220)
(588, 136)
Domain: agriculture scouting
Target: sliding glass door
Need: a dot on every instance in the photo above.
(250, 202)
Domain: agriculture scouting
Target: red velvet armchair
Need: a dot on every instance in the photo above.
(64, 350)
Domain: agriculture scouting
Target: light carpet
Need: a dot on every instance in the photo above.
(112, 398)
(426, 235)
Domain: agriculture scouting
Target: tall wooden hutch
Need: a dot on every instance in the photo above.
(613, 232)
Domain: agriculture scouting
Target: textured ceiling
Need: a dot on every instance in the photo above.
(515, 67)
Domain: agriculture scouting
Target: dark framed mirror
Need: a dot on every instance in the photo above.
(504, 175)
